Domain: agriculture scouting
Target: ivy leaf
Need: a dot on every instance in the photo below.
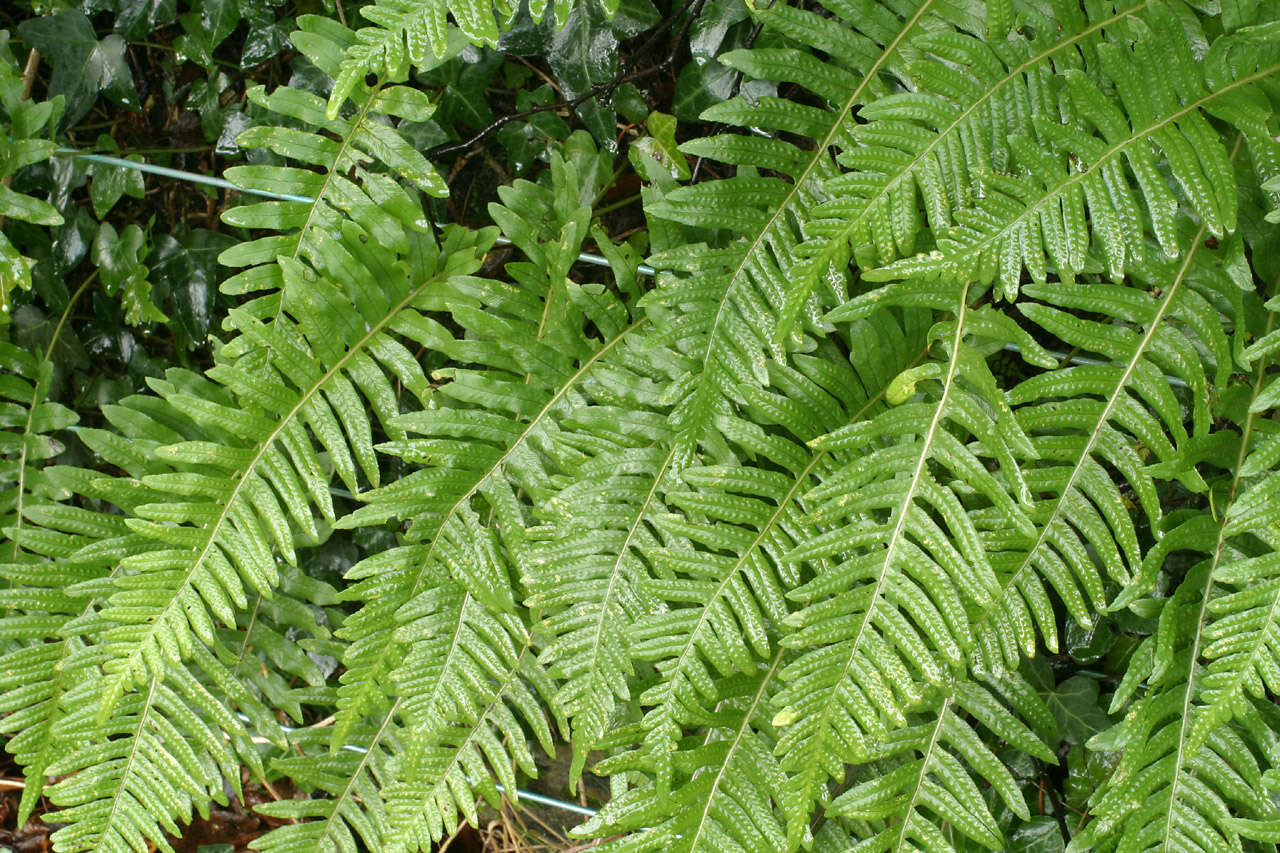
(189, 271)
(136, 18)
(111, 182)
(83, 66)
(206, 30)
(709, 29)
(120, 264)
(1038, 835)
(583, 54)
(1074, 703)
(1090, 645)
(266, 37)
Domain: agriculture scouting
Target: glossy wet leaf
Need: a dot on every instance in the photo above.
(1041, 834)
(109, 183)
(136, 18)
(583, 54)
(83, 65)
(1088, 646)
(124, 274)
(661, 145)
(1078, 709)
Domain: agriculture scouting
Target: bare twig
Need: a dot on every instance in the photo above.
(29, 72)
(598, 90)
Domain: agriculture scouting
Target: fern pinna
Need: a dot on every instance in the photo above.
(967, 349)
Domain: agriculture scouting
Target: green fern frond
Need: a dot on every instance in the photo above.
(350, 817)
(243, 474)
(1022, 159)
(1189, 775)
(900, 562)
(224, 473)
(487, 442)
(473, 690)
(348, 176)
(1088, 424)
(182, 745)
(24, 389)
(588, 580)
(733, 799)
(922, 782)
(723, 309)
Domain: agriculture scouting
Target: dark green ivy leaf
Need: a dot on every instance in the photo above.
(266, 37)
(188, 270)
(136, 18)
(583, 54)
(120, 265)
(1041, 834)
(83, 66)
(1075, 704)
(208, 29)
(111, 182)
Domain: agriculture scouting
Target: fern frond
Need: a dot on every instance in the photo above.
(1022, 159)
(349, 176)
(243, 469)
(722, 311)
(24, 388)
(733, 799)
(1189, 775)
(923, 780)
(487, 444)
(900, 562)
(225, 472)
(472, 691)
(346, 815)
(1086, 425)
(588, 580)
(182, 746)
(416, 34)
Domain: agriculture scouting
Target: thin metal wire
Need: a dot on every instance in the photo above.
(176, 174)
(223, 183)
(584, 257)
(520, 793)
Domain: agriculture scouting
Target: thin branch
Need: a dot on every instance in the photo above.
(598, 90)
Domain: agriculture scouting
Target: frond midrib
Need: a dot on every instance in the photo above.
(380, 663)
(995, 238)
(799, 182)
(739, 738)
(513, 675)
(1202, 616)
(134, 748)
(1170, 291)
(132, 662)
(844, 235)
(898, 531)
(319, 199)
